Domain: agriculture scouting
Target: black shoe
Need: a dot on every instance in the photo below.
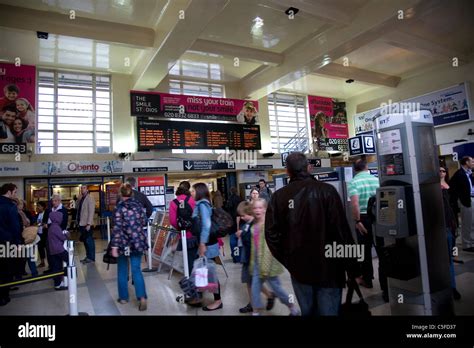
(456, 294)
(270, 303)
(207, 309)
(471, 249)
(247, 309)
(59, 288)
(366, 284)
(385, 297)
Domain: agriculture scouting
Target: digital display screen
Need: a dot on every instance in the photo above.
(154, 134)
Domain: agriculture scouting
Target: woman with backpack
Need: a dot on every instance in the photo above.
(181, 211)
(208, 245)
(129, 242)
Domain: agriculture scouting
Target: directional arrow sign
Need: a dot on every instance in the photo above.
(188, 165)
(207, 165)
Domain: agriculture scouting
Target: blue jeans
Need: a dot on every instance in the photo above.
(316, 301)
(137, 276)
(451, 263)
(32, 266)
(88, 242)
(256, 289)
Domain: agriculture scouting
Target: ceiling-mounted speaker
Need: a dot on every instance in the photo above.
(292, 11)
(42, 35)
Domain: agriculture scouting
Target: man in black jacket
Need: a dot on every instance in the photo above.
(140, 196)
(303, 220)
(10, 234)
(461, 188)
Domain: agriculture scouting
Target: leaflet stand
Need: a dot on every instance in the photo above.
(149, 252)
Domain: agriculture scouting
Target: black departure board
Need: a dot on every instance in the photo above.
(155, 134)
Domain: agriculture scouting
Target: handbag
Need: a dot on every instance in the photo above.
(29, 234)
(358, 309)
(108, 258)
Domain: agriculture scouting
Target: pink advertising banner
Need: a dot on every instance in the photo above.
(154, 104)
(17, 104)
(328, 123)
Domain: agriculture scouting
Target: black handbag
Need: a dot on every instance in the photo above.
(108, 258)
(357, 309)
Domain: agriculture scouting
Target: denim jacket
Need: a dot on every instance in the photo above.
(204, 209)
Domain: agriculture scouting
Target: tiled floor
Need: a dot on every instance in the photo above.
(97, 292)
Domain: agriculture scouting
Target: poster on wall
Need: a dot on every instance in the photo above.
(17, 104)
(329, 129)
(154, 188)
(111, 195)
(448, 106)
(180, 106)
(363, 122)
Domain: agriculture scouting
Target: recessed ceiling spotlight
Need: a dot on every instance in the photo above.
(349, 80)
(292, 11)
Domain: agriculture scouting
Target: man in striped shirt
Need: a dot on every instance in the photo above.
(360, 189)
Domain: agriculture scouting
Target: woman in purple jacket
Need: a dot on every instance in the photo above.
(56, 238)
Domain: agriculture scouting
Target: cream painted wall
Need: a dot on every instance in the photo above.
(427, 81)
(124, 130)
(264, 121)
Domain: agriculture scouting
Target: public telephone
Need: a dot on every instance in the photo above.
(393, 212)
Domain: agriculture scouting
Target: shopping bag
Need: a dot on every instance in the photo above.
(200, 272)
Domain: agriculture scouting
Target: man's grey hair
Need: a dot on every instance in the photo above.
(131, 180)
(56, 195)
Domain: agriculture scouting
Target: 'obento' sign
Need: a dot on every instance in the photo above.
(84, 167)
(87, 168)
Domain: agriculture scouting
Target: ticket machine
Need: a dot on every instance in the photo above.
(410, 215)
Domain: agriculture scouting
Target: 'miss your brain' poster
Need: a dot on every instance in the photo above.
(17, 104)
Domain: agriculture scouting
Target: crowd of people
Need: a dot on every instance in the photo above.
(269, 233)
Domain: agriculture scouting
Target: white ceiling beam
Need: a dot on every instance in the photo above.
(243, 53)
(325, 11)
(359, 75)
(374, 21)
(60, 24)
(154, 65)
(422, 46)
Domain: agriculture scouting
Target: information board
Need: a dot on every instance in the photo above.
(154, 134)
